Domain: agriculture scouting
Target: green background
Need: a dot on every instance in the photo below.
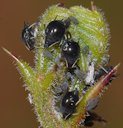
(15, 110)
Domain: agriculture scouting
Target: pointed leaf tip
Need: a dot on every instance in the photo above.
(10, 54)
(117, 66)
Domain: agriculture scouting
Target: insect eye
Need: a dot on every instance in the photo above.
(70, 51)
(54, 32)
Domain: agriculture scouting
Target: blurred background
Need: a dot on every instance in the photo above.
(15, 110)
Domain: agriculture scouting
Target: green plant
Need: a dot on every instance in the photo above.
(92, 34)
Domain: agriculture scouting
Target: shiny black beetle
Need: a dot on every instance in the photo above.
(56, 29)
(68, 104)
(28, 36)
(71, 52)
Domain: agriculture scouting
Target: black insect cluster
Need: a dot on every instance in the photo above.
(56, 32)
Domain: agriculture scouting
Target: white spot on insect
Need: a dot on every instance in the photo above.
(30, 98)
(35, 25)
(70, 49)
(90, 74)
(35, 31)
(55, 30)
(65, 47)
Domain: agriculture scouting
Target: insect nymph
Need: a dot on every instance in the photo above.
(29, 35)
(71, 52)
(56, 30)
(69, 103)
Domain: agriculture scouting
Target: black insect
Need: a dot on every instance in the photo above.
(88, 122)
(68, 104)
(90, 118)
(71, 52)
(55, 31)
(28, 36)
